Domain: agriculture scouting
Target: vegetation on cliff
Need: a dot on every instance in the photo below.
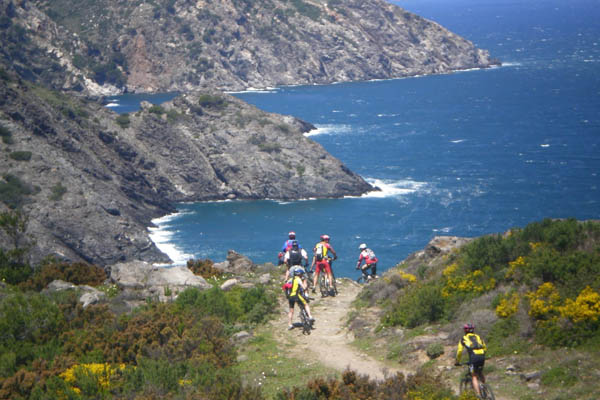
(534, 291)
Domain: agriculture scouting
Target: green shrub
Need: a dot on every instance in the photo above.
(20, 155)
(156, 109)
(559, 376)
(14, 192)
(418, 305)
(58, 192)
(123, 120)
(306, 9)
(6, 135)
(212, 101)
(434, 350)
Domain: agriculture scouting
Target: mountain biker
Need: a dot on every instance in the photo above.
(322, 258)
(286, 246)
(297, 295)
(476, 349)
(370, 259)
(294, 258)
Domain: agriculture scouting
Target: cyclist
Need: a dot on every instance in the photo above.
(322, 258)
(286, 246)
(370, 259)
(294, 258)
(476, 349)
(297, 295)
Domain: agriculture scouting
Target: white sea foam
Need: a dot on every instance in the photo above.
(162, 238)
(390, 188)
(113, 105)
(329, 129)
(544, 145)
(457, 141)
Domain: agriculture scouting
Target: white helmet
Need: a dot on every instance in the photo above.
(362, 246)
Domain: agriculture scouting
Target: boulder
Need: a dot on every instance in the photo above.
(228, 284)
(144, 280)
(91, 296)
(236, 263)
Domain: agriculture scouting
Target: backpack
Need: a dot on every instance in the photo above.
(320, 251)
(474, 341)
(371, 254)
(287, 288)
(295, 257)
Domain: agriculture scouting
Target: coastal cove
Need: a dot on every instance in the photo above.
(464, 154)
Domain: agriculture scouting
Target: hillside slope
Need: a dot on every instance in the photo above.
(181, 45)
(91, 181)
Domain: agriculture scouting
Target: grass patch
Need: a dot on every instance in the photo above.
(123, 121)
(265, 364)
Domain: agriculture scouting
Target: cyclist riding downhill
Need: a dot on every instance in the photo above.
(322, 258)
(368, 256)
(476, 349)
(296, 293)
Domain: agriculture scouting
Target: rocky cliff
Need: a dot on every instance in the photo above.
(181, 45)
(91, 181)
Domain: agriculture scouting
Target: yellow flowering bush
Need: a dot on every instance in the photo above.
(515, 265)
(586, 306)
(101, 372)
(408, 277)
(544, 302)
(472, 283)
(508, 306)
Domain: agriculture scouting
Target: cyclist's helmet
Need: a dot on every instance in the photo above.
(295, 244)
(325, 237)
(292, 235)
(468, 328)
(362, 246)
(298, 272)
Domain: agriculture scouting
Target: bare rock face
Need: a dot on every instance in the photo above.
(93, 181)
(234, 45)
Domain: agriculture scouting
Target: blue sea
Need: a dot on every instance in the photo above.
(465, 154)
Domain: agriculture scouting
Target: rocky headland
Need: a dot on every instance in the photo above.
(89, 181)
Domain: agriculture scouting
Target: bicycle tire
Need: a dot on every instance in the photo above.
(323, 285)
(306, 326)
(333, 286)
(463, 385)
(486, 392)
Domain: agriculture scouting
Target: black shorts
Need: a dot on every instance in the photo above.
(476, 362)
(297, 299)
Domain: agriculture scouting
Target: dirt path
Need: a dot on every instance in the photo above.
(329, 342)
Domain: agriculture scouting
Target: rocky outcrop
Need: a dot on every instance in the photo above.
(234, 45)
(142, 280)
(91, 181)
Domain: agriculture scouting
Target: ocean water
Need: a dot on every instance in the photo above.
(464, 154)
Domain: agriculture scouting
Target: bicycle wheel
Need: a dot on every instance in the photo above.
(323, 285)
(486, 392)
(306, 327)
(333, 285)
(464, 385)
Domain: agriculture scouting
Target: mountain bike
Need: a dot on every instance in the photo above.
(306, 324)
(466, 383)
(325, 287)
(365, 277)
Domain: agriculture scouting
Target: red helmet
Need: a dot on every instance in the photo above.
(468, 328)
(325, 238)
(292, 235)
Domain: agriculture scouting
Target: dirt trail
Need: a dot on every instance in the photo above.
(329, 342)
